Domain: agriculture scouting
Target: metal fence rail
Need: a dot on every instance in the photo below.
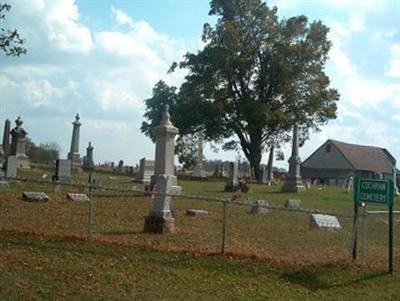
(226, 224)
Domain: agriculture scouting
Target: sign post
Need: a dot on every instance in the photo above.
(377, 192)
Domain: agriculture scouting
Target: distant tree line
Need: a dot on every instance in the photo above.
(44, 152)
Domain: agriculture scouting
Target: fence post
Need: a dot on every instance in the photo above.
(224, 228)
(354, 234)
(90, 213)
(365, 234)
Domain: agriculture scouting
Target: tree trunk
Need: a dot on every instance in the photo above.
(270, 163)
(252, 150)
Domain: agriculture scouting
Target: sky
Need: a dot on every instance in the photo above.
(101, 59)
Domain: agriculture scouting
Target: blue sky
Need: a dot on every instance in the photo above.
(102, 58)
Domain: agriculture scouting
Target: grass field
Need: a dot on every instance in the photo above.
(44, 249)
(42, 268)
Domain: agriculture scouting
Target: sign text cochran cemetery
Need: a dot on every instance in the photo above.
(374, 191)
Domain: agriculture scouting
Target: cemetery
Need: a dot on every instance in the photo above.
(295, 222)
(177, 224)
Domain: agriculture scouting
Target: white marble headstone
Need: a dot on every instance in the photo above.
(324, 222)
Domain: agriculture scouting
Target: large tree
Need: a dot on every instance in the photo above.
(10, 40)
(255, 77)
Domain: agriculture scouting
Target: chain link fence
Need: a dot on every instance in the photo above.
(235, 226)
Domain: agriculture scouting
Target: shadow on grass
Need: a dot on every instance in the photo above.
(323, 279)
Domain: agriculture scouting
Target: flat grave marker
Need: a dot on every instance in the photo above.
(324, 222)
(78, 197)
(33, 196)
(293, 204)
(196, 212)
(259, 207)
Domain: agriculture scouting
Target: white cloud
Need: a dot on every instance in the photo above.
(64, 29)
(393, 70)
(362, 92)
(40, 93)
(121, 17)
(396, 117)
(357, 23)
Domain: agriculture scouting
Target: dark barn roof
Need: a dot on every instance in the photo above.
(368, 158)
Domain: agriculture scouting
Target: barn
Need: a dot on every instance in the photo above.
(335, 161)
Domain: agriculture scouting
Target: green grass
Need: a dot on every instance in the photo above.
(39, 268)
(273, 256)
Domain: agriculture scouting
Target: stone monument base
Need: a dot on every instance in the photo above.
(76, 162)
(231, 187)
(293, 186)
(155, 224)
(23, 162)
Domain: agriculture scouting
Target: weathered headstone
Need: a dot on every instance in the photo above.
(88, 162)
(259, 207)
(199, 173)
(4, 185)
(324, 222)
(196, 212)
(73, 155)
(34, 197)
(78, 197)
(293, 204)
(120, 166)
(6, 138)
(160, 218)
(216, 170)
(18, 144)
(293, 182)
(263, 175)
(146, 171)
(93, 180)
(232, 182)
(350, 184)
(11, 167)
(63, 170)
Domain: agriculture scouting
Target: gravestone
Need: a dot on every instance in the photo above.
(4, 185)
(88, 162)
(293, 204)
(199, 173)
(11, 167)
(263, 175)
(324, 222)
(63, 170)
(78, 197)
(259, 207)
(73, 154)
(120, 166)
(222, 171)
(350, 184)
(18, 144)
(34, 197)
(160, 218)
(6, 138)
(146, 171)
(216, 170)
(92, 180)
(232, 182)
(196, 212)
(294, 183)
